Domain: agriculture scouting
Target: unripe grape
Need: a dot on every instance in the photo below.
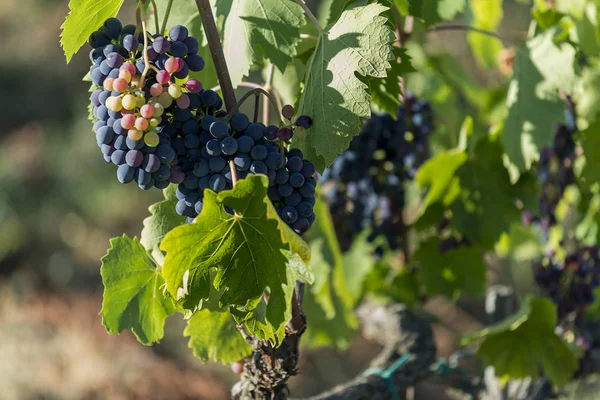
(129, 102)
(183, 101)
(128, 121)
(120, 84)
(114, 103)
(140, 100)
(147, 111)
(172, 65)
(156, 90)
(163, 77)
(165, 100)
(141, 124)
(158, 110)
(153, 122)
(193, 86)
(108, 84)
(134, 134)
(151, 139)
(125, 74)
(175, 91)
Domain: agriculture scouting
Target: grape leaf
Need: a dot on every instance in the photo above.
(450, 273)
(133, 295)
(434, 11)
(163, 219)
(385, 93)
(358, 262)
(439, 174)
(257, 30)
(213, 335)
(336, 99)
(330, 10)
(246, 249)
(591, 136)
(485, 206)
(329, 302)
(522, 344)
(487, 15)
(391, 285)
(85, 17)
(542, 68)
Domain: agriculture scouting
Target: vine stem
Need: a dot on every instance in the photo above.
(456, 27)
(310, 15)
(256, 92)
(157, 26)
(166, 17)
(146, 60)
(267, 88)
(216, 51)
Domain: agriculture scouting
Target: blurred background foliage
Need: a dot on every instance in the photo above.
(60, 204)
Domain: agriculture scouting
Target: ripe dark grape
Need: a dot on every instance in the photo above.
(304, 121)
(285, 134)
(364, 186)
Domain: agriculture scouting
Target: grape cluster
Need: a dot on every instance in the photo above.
(365, 185)
(138, 111)
(159, 126)
(571, 283)
(218, 147)
(555, 168)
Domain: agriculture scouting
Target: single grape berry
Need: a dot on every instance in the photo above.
(285, 134)
(288, 112)
(304, 121)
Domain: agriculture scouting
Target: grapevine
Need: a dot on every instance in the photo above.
(386, 175)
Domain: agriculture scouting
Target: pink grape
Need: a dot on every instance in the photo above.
(172, 65)
(128, 121)
(193, 86)
(120, 85)
(163, 76)
(141, 124)
(183, 101)
(147, 111)
(129, 67)
(156, 90)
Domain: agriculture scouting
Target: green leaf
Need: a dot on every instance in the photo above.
(287, 84)
(246, 249)
(434, 11)
(591, 144)
(393, 285)
(358, 262)
(438, 173)
(336, 99)
(133, 294)
(485, 206)
(329, 302)
(487, 15)
(526, 344)
(259, 30)
(385, 93)
(163, 219)
(214, 336)
(330, 11)
(542, 68)
(451, 273)
(85, 17)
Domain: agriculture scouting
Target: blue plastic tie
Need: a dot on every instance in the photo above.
(386, 374)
